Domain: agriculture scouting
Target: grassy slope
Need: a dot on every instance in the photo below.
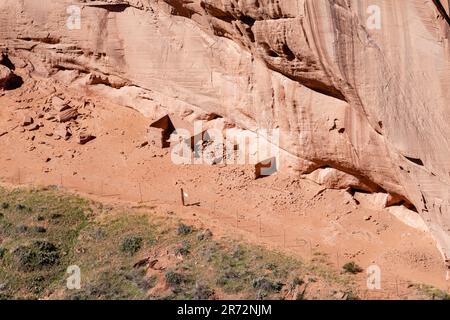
(42, 232)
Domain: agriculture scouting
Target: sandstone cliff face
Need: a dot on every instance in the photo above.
(371, 103)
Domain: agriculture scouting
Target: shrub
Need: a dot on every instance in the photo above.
(238, 252)
(37, 256)
(352, 296)
(184, 229)
(271, 266)
(261, 295)
(2, 252)
(39, 229)
(267, 285)
(352, 267)
(108, 285)
(99, 234)
(36, 284)
(297, 282)
(174, 279)
(202, 292)
(204, 235)
(131, 245)
(56, 216)
(230, 278)
(22, 228)
(138, 277)
(183, 249)
(20, 207)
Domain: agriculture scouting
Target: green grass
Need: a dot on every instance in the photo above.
(33, 260)
(45, 231)
(432, 292)
(131, 245)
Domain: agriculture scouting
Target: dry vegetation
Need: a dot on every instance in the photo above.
(128, 253)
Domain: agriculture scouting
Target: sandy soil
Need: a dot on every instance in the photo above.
(282, 212)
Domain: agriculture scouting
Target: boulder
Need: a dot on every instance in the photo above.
(83, 138)
(63, 131)
(59, 104)
(5, 75)
(336, 179)
(408, 217)
(27, 120)
(374, 201)
(67, 114)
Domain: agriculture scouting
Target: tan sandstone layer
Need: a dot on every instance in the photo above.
(372, 104)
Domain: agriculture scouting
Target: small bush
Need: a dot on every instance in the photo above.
(99, 234)
(37, 256)
(261, 295)
(36, 284)
(231, 280)
(238, 252)
(352, 267)
(271, 266)
(267, 285)
(56, 216)
(204, 235)
(297, 282)
(39, 229)
(22, 228)
(109, 285)
(184, 229)
(138, 277)
(183, 249)
(2, 252)
(20, 207)
(352, 296)
(5, 205)
(301, 295)
(432, 292)
(131, 245)
(202, 292)
(174, 279)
